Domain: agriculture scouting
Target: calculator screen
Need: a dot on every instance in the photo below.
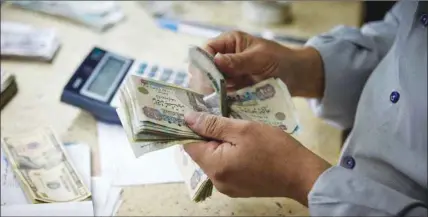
(106, 76)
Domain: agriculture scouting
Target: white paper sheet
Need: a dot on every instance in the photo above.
(15, 203)
(48, 209)
(105, 196)
(80, 156)
(118, 161)
(112, 202)
(117, 206)
(99, 193)
(11, 192)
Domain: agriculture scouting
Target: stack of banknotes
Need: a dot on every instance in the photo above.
(99, 15)
(43, 167)
(152, 112)
(197, 182)
(25, 41)
(8, 87)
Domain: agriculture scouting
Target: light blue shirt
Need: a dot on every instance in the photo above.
(376, 83)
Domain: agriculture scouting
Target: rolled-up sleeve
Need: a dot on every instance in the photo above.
(349, 56)
(340, 192)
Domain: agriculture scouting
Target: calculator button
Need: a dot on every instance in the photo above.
(142, 69)
(179, 78)
(77, 83)
(96, 54)
(87, 70)
(166, 74)
(153, 71)
(424, 19)
(178, 82)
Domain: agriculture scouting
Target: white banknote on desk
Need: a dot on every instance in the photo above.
(26, 41)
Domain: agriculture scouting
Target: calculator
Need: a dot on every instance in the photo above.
(94, 85)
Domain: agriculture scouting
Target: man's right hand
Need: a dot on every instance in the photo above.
(245, 60)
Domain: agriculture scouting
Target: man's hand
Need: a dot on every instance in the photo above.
(250, 159)
(245, 60)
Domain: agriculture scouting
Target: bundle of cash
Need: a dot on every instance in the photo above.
(197, 182)
(43, 168)
(98, 15)
(25, 41)
(8, 86)
(152, 112)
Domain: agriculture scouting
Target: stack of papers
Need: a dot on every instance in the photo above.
(98, 15)
(26, 41)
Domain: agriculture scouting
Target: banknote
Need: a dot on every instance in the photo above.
(156, 109)
(197, 182)
(268, 101)
(25, 41)
(6, 79)
(43, 168)
(203, 63)
(152, 113)
(99, 15)
(142, 147)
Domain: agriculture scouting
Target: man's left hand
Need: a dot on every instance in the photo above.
(251, 159)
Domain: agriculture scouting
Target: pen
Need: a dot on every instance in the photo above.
(210, 31)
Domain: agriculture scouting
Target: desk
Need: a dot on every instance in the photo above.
(40, 86)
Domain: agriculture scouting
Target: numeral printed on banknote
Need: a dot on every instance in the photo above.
(43, 168)
(152, 114)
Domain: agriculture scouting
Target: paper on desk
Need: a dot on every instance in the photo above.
(23, 40)
(11, 192)
(118, 161)
(99, 15)
(14, 202)
(80, 155)
(105, 196)
(113, 202)
(83, 208)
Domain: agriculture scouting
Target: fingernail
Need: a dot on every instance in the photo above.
(224, 58)
(191, 117)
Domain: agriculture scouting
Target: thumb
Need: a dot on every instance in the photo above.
(234, 64)
(212, 126)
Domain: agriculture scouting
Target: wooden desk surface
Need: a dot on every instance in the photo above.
(40, 85)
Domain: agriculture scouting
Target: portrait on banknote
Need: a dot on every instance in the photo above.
(196, 101)
(28, 161)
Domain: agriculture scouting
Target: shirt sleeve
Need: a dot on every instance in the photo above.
(349, 56)
(340, 192)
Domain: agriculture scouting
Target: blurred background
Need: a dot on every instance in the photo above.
(44, 44)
